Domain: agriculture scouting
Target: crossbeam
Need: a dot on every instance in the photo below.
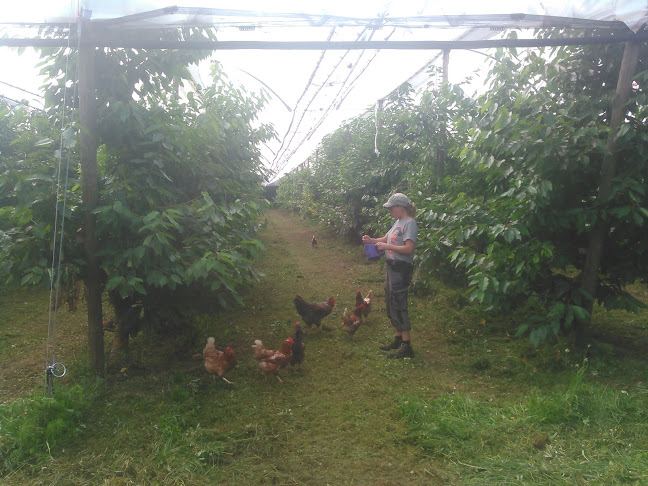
(328, 45)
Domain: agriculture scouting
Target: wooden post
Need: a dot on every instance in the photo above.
(440, 159)
(87, 120)
(446, 65)
(589, 276)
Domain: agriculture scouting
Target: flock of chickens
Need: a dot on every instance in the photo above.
(292, 349)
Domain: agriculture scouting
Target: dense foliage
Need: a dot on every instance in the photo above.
(506, 184)
(180, 186)
(27, 190)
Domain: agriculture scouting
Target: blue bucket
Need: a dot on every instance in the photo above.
(372, 252)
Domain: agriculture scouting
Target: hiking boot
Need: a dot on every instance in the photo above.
(404, 351)
(395, 344)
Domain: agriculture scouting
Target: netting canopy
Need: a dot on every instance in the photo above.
(322, 61)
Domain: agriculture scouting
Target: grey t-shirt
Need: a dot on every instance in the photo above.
(403, 230)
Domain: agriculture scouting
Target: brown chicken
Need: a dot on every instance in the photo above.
(313, 313)
(218, 362)
(351, 322)
(299, 347)
(367, 304)
(271, 361)
(363, 300)
(359, 299)
(314, 242)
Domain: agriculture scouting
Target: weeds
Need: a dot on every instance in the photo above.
(31, 427)
(584, 432)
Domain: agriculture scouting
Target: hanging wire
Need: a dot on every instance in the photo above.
(21, 89)
(379, 107)
(305, 110)
(352, 85)
(54, 369)
(286, 155)
(346, 86)
(17, 102)
(294, 112)
(342, 92)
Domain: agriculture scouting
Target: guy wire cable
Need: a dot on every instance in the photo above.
(346, 89)
(351, 86)
(21, 89)
(318, 91)
(335, 98)
(333, 103)
(53, 368)
(293, 151)
(294, 112)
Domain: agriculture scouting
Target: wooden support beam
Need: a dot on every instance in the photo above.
(87, 120)
(446, 65)
(590, 274)
(443, 120)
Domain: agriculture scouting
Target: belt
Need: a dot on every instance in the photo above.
(398, 263)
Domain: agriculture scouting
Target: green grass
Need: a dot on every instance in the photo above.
(585, 433)
(475, 405)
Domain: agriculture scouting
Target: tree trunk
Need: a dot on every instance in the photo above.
(119, 355)
(595, 251)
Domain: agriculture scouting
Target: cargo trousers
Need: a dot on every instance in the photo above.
(399, 276)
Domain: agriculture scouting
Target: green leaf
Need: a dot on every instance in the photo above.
(114, 282)
(136, 284)
(637, 219)
(151, 216)
(43, 142)
(509, 235)
(569, 317)
(623, 129)
(477, 295)
(162, 238)
(68, 137)
(580, 313)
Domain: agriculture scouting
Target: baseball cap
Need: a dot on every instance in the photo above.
(397, 199)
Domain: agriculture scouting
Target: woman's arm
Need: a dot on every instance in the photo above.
(405, 249)
(367, 239)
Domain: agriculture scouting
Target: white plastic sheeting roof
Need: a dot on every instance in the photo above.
(314, 91)
(292, 13)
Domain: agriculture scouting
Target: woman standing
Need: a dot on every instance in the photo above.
(398, 244)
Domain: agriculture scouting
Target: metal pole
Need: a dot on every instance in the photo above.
(330, 45)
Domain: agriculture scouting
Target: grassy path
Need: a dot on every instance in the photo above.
(337, 422)
(338, 417)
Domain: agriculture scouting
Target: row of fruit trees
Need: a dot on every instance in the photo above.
(179, 179)
(507, 185)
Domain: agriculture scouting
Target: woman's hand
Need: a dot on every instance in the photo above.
(381, 246)
(366, 239)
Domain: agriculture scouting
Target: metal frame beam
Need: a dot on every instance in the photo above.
(329, 45)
